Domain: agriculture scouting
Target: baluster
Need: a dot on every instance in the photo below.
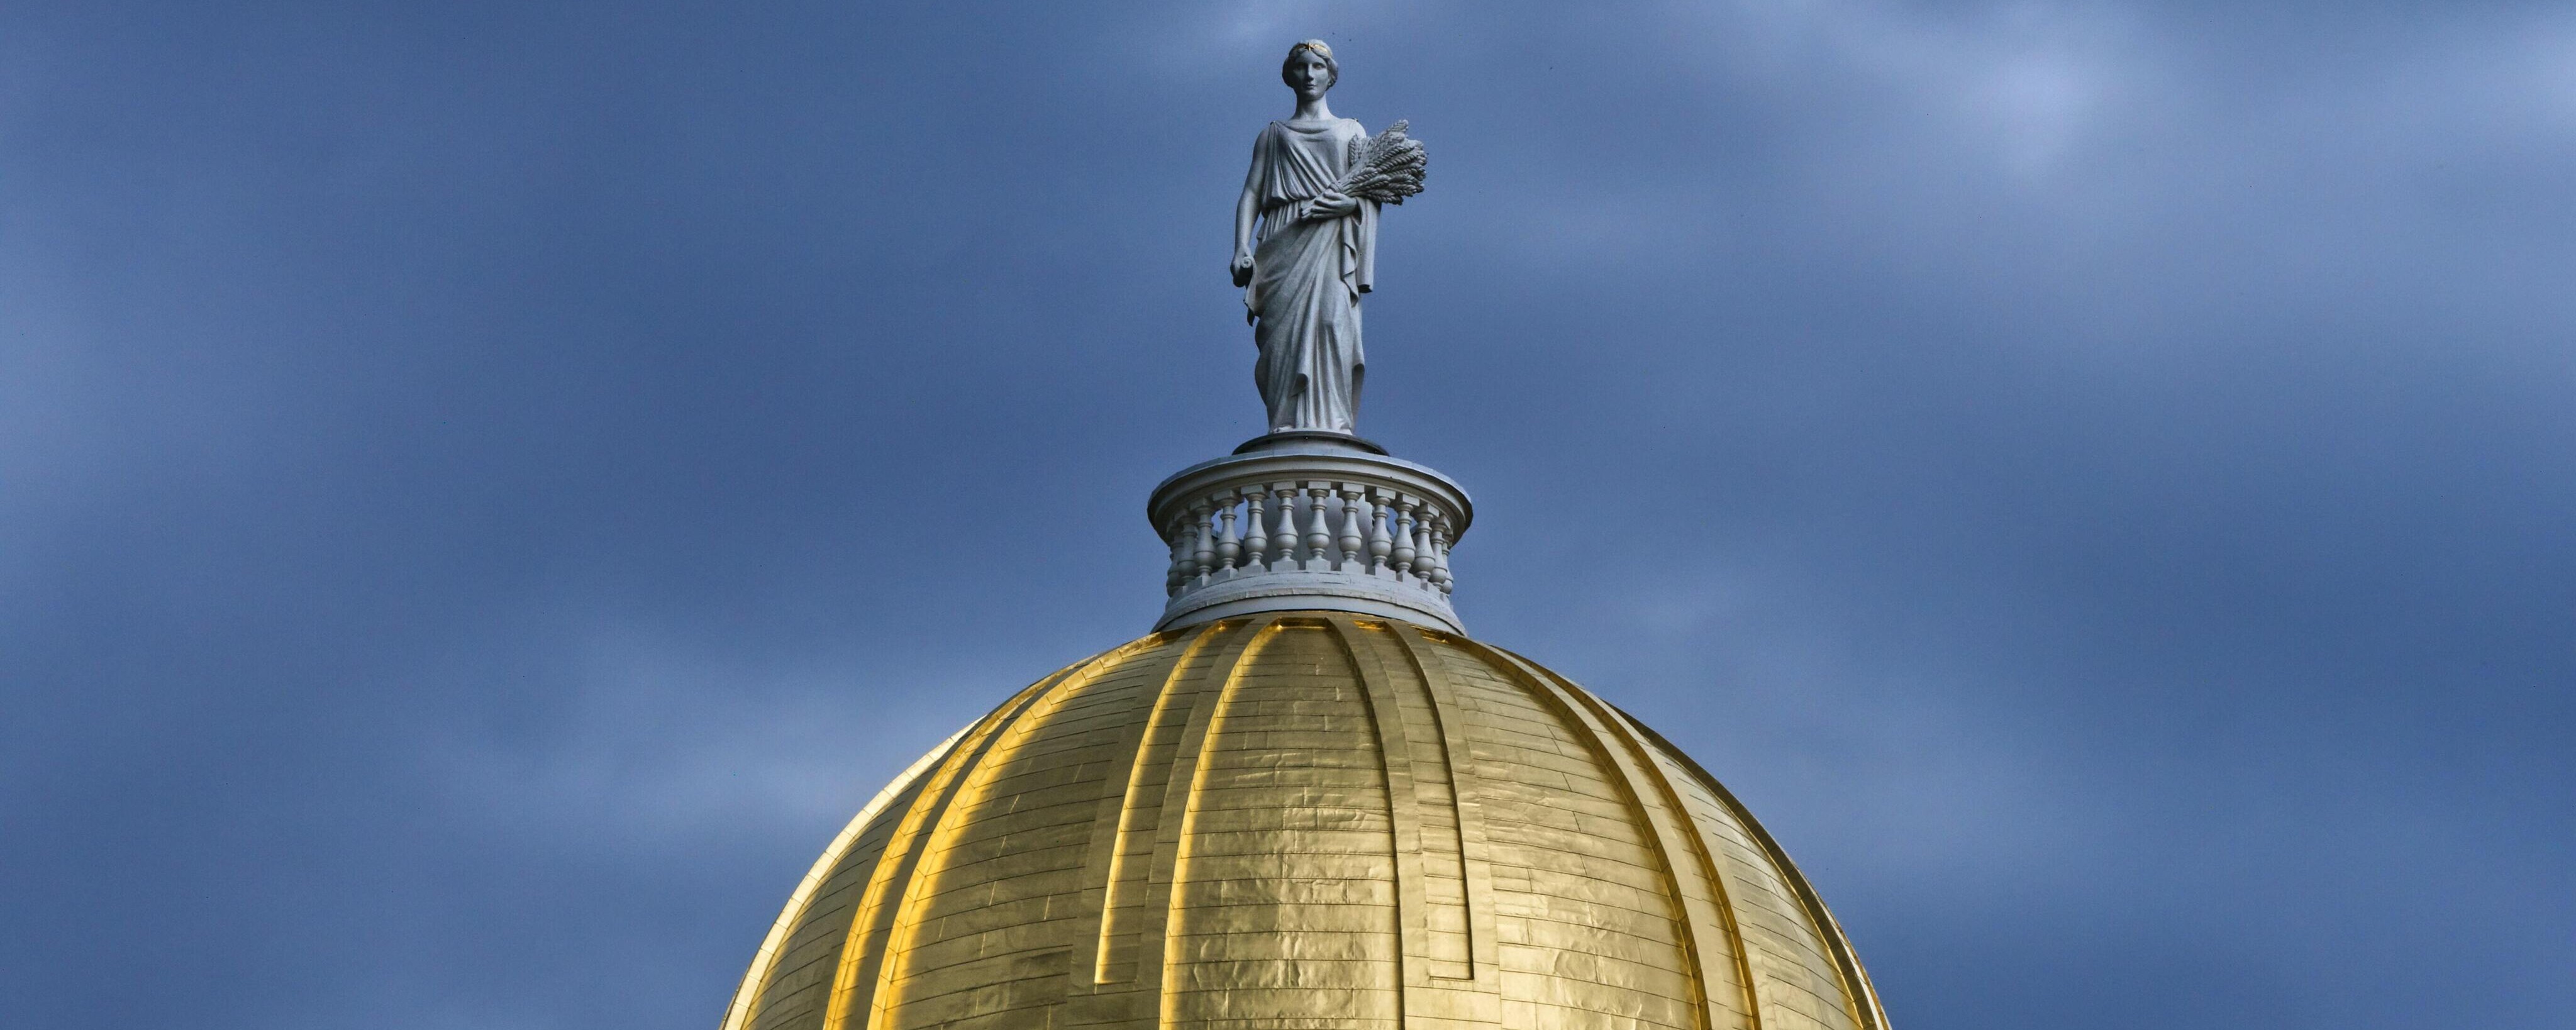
(1256, 540)
(1378, 545)
(1354, 516)
(1178, 574)
(1426, 562)
(1228, 546)
(1318, 535)
(1404, 551)
(1205, 554)
(1440, 549)
(1283, 540)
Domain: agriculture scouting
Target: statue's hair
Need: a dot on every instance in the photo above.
(1320, 50)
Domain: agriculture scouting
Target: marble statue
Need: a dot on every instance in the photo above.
(1315, 189)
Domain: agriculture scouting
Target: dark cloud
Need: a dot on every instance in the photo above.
(489, 488)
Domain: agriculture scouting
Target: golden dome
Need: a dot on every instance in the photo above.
(1296, 821)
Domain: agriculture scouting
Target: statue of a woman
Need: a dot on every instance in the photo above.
(1313, 257)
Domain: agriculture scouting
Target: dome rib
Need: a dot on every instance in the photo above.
(1126, 857)
(1418, 845)
(1638, 769)
(873, 934)
(1304, 820)
(1465, 819)
(1112, 951)
(1168, 865)
(1861, 996)
(738, 1014)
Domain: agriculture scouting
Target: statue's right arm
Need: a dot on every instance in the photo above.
(1246, 208)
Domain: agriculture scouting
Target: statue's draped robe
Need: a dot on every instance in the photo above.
(1307, 277)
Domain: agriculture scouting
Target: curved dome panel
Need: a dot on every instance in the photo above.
(1298, 821)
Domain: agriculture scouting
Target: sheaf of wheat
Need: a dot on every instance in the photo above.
(1385, 168)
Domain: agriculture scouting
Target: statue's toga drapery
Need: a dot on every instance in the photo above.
(1307, 277)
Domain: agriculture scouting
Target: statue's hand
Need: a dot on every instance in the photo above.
(1331, 205)
(1242, 268)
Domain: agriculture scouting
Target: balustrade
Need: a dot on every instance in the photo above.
(1325, 527)
(1346, 532)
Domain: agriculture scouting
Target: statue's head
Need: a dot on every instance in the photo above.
(1310, 69)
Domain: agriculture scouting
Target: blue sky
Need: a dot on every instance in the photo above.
(486, 489)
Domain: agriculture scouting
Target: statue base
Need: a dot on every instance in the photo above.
(1324, 439)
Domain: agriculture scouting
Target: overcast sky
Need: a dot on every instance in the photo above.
(486, 489)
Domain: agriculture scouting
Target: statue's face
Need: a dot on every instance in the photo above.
(1309, 75)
